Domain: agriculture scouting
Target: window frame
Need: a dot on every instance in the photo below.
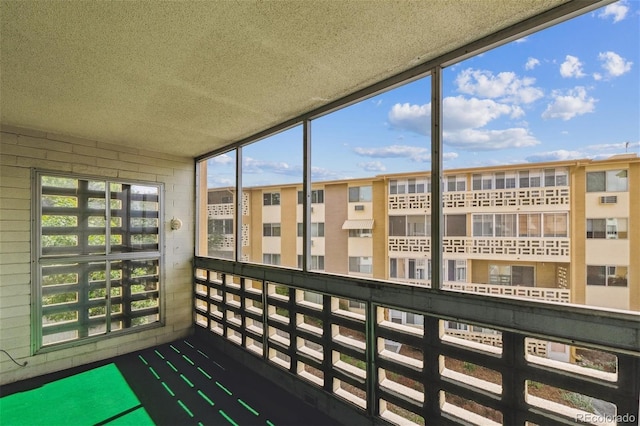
(272, 256)
(590, 180)
(455, 183)
(482, 181)
(603, 230)
(272, 196)
(361, 198)
(358, 260)
(41, 260)
(499, 281)
(271, 226)
(608, 276)
(316, 260)
(317, 196)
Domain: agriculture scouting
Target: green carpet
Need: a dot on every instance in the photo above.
(98, 396)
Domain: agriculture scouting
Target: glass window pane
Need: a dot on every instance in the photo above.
(456, 225)
(220, 207)
(84, 297)
(596, 275)
(354, 150)
(523, 143)
(271, 179)
(596, 182)
(617, 180)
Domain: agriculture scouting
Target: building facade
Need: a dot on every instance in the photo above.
(559, 231)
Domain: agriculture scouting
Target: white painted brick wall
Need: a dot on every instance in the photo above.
(24, 149)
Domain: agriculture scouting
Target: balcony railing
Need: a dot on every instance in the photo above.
(560, 295)
(525, 197)
(226, 210)
(547, 198)
(522, 248)
(301, 324)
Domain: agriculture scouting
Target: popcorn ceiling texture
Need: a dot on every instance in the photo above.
(186, 78)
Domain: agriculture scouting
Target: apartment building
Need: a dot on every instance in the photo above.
(558, 231)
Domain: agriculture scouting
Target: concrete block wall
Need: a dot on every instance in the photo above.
(21, 150)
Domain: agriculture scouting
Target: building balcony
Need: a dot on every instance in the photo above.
(536, 199)
(496, 248)
(551, 198)
(385, 371)
(220, 211)
(560, 295)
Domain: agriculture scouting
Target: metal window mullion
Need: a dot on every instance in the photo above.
(436, 178)
(107, 243)
(108, 296)
(306, 192)
(83, 243)
(107, 217)
(126, 216)
(36, 265)
(238, 206)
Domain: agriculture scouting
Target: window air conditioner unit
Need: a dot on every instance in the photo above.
(359, 207)
(608, 199)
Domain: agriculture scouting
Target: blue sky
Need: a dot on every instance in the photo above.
(570, 91)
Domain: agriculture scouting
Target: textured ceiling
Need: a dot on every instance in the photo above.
(189, 77)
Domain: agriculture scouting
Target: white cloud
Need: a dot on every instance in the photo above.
(571, 67)
(218, 181)
(558, 155)
(597, 76)
(251, 165)
(463, 121)
(618, 11)
(221, 159)
(621, 146)
(485, 140)
(594, 152)
(415, 118)
(415, 153)
(449, 156)
(372, 166)
(521, 40)
(460, 112)
(506, 86)
(570, 104)
(614, 64)
(531, 63)
(320, 173)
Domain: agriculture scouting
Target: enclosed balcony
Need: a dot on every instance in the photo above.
(129, 266)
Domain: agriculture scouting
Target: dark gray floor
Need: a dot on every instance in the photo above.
(188, 383)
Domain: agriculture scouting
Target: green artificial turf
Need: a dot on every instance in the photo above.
(98, 396)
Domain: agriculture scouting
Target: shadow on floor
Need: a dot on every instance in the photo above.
(181, 383)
